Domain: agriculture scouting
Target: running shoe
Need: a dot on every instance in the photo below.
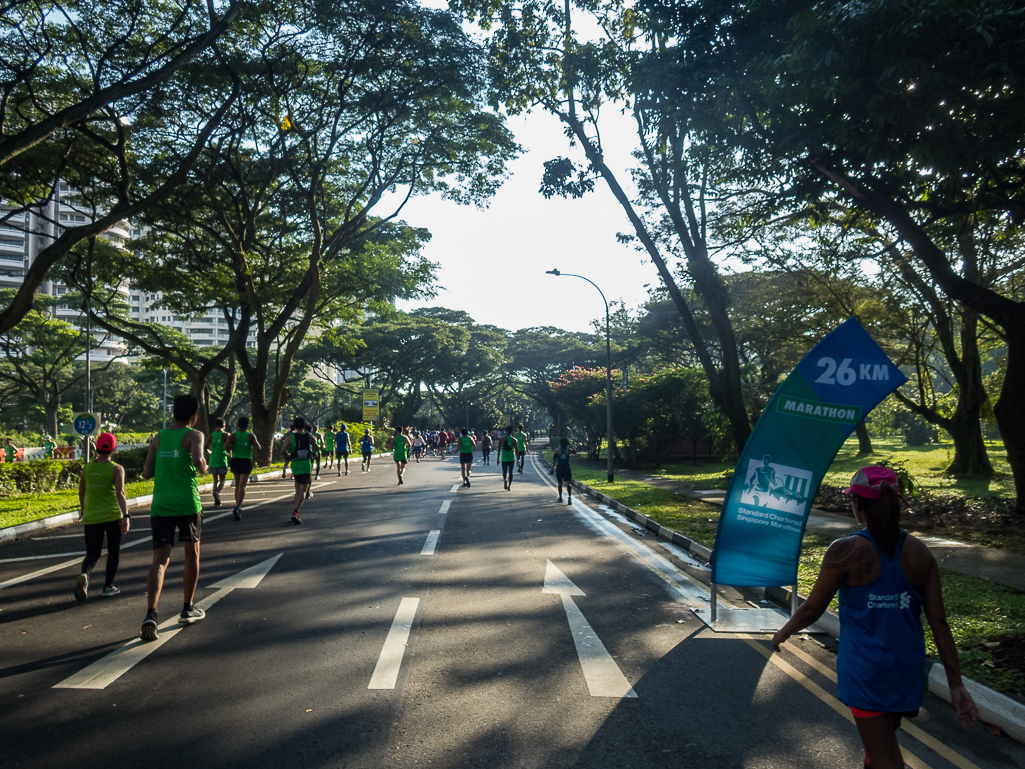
(467, 483)
(400, 480)
(187, 617)
(110, 590)
(296, 519)
(346, 472)
(237, 513)
(149, 626)
(309, 495)
(82, 587)
(560, 499)
(217, 499)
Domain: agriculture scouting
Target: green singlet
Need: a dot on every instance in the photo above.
(242, 448)
(301, 466)
(217, 456)
(401, 449)
(508, 449)
(466, 445)
(100, 501)
(174, 477)
(9, 454)
(521, 442)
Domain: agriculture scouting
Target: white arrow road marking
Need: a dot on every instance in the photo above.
(386, 673)
(432, 542)
(105, 671)
(602, 674)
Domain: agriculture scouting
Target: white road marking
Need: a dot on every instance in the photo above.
(455, 488)
(58, 536)
(386, 673)
(445, 506)
(40, 573)
(431, 543)
(602, 674)
(691, 594)
(106, 670)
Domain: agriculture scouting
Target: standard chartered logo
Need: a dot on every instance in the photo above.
(902, 601)
(905, 600)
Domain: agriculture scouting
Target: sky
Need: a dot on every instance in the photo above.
(492, 262)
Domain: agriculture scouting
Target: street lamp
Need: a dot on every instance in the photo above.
(608, 366)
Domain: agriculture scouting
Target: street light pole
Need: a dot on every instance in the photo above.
(608, 367)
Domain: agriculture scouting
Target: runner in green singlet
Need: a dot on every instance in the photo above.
(400, 445)
(240, 445)
(101, 494)
(507, 456)
(10, 452)
(466, 446)
(218, 460)
(328, 448)
(300, 449)
(521, 448)
(48, 447)
(175, 457)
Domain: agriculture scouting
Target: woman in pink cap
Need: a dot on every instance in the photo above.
(101, 493)
(885, 578)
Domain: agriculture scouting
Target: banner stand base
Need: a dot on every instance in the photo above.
(730, 620)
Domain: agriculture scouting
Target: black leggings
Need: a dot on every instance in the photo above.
(94, 533)
(507, 468)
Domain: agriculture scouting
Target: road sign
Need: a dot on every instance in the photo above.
(371, 409)
(86, 423)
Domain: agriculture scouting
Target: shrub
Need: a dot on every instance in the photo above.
(39, 476)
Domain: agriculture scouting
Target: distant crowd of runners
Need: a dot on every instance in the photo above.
(179, 454)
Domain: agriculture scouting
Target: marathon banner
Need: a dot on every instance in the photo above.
(813, 412)
(371, 407)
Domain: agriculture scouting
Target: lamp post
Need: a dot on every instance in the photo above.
(608, 367)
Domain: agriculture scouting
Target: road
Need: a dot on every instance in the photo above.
(425, 625)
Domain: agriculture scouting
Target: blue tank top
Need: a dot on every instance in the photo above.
(881, 662)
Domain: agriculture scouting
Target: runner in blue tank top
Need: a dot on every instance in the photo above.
(885, 578)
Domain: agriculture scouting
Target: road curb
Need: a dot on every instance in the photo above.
(994, 708)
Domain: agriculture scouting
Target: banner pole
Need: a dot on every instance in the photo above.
(793, 600)
(712, 608)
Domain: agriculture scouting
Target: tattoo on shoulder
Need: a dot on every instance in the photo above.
(849, 554)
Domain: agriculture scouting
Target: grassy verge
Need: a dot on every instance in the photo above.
(926, 463)
(31, 507)
(987, 620)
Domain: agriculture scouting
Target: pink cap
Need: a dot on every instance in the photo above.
(867, 480)
(106, 442)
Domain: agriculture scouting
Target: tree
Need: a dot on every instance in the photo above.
(39, 357)
(908, 112)
(93, 94)
(538, 60)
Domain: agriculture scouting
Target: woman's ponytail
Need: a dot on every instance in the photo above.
(882, 517)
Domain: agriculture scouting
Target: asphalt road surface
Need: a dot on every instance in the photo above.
(422, 625)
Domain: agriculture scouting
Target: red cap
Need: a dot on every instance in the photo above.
(867, 480)
(106, 442)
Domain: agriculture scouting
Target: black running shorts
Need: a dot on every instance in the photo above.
(342, 453)
(218, 471)
(466, 459)
(563, 473)
(302, 479)
(162, 526)
(241, 466)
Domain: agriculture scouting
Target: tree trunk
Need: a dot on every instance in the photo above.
(864, 440)
(52, 411)
(1010, 409)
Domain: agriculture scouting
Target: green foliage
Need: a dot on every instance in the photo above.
(909, 485)
(39, 476)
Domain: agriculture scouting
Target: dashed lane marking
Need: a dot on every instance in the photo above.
(386, 672)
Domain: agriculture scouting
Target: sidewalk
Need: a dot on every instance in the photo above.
(1000, 566)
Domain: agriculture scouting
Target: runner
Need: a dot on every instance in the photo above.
(10, 452)
(418, 446)
(885, 577)
(507, 456)
(329, 446)
(521, 448)
(240, 445)
(342, 446)
(366, 445)
(101, 497)
(400, 444)
(48, 447)
(563, 471)
(485, 448)
(466, 446)
(284, 442)
(442, 442)
(173, 460)
(309, 430)
(218, 460)
(301, 449)
(319, 439)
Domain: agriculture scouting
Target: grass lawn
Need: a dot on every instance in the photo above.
(23, 508)
(926, 463)
(980, 613)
